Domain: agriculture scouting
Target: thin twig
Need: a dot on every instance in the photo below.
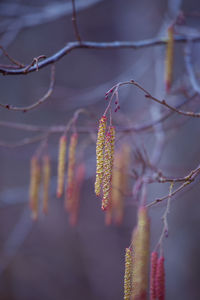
(37, 103)
(74, 21)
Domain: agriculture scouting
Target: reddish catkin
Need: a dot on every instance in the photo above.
(128, 274)
(160, 279)
(71, 171)
(61, 165)
(99, 154)
(154, 258)
(34, 186)
(140, 243)
(80, 175)
(46, 182)
(107, 167)
(169, 59)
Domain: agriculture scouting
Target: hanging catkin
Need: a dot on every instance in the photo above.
(71, 171)
(79, 178)
(169, 59)
(140, 244)
(34, 186)
(107, 167)
(160, 279)
(154, 259)
(61, 165)
(128, 273)
(100, 154)
(46, 181)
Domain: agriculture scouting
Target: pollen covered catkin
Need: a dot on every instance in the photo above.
(61, 165)
(100, 154)
(71, 171)
(34, 186)
(107, 167)
(128, 274)
(169, 59)
(46, 182)
(140, 244)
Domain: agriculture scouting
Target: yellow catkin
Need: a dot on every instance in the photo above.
(100, 154)
(61, 165)
(107, 167)
(120, 182)
(34, 186)
(70, 171)
(140, 244)
(128, 274)
(46, 182)
(169, 59)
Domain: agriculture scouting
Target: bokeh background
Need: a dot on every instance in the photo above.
(48, 259)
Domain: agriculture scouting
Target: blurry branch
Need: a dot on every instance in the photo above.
(190, 68)
(74, 21)
(28, 16)
(40, 101)
(94, 45)
(23, 142)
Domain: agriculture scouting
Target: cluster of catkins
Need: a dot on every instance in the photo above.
(74, 180)
(137, 263)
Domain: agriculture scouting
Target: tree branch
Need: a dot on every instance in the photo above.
(40, 101)
(94, 45)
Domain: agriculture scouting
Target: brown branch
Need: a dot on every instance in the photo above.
(98, 46)
(188, 179)
(74, 21)
(37, 103)
(12, 60)
(162, 102)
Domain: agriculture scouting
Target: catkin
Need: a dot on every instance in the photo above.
(71, 171)
(140, 243)
(107, 167)
(46, 182)
(154, 259)
(34, 186)
(128, 274)
(80, 174)
(169, 59)
(61, 165)
(160, 279)
(100, 154)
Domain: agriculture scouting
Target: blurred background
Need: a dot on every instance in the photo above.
(49, 259)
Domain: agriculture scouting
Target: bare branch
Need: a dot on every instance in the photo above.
(40, 101)
(95, 45)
